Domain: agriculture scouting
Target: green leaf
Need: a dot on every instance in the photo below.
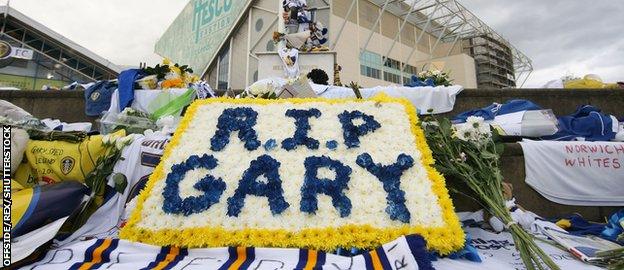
(121, 182)
(488, 155)
(500, 148)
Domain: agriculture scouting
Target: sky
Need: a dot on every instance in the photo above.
(562, 37)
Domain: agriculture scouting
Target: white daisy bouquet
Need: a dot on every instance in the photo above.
(439, 78)
(469, 155)
(614, 258)
(261, 90)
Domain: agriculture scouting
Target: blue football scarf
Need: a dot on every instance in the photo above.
(489, 112)
(588, 123)
(126, 86)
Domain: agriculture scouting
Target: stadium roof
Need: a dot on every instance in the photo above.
(450, 21)
(35, 36)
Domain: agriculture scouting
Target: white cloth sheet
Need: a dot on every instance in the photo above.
(441, 99)
(576, 173)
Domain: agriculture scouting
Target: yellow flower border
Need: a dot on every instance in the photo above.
(443, 239)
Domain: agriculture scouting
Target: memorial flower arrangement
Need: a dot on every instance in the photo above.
(167, 76)
(437, 77)
(260, 90)
(613, 258)
(470, 154)
(220, 216)
(132, 121)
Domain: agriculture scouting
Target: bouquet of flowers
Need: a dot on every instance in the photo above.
(265, 90)
(130, 120)
(470, 155)
(439, 78)
(614, 258)
(168, 76)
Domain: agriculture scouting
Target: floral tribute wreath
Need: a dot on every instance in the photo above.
(307, 173)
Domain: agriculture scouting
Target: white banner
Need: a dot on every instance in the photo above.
(576, 173)
(22, 53)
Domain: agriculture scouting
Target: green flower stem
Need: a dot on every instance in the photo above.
(476, 164)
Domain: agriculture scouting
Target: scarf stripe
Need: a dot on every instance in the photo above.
(385, 263)
(368, 261)
(303, 259)
(251, 256)
(241, 254)
(231, 259)
(320, 260)
(167, 258)
(161, 256)
(375, 260)
(312, 257)
(97, 254)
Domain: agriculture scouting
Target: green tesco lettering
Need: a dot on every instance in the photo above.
(207, 10)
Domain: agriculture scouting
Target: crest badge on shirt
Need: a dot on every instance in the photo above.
(95, 96)
(67, 164)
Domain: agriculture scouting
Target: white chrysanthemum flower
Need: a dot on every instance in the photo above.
(475, 121)
(106, 139)
(171, 75)
(485, 130)
(255, 90)
(463, 132)
(119, 144)
(165, 121)
(129, 139)
(122, 117)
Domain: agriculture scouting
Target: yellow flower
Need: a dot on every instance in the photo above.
(166, 61)
(191, 78)
(445, 239)
(172, 83)
(175, 70)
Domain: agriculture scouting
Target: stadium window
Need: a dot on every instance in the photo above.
(224, 63)
(370, 64)
(392, 63)
(411, 70)
(370, 72)
(391, 77)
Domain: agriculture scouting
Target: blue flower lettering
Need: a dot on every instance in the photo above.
(351, 132)
(242, 120)
(331, 145)
(302, 123)
(312, 185)
(390, 176)
(249, 185)
(211, 186)
(270, 145)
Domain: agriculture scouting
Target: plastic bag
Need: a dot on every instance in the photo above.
(163, 105)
